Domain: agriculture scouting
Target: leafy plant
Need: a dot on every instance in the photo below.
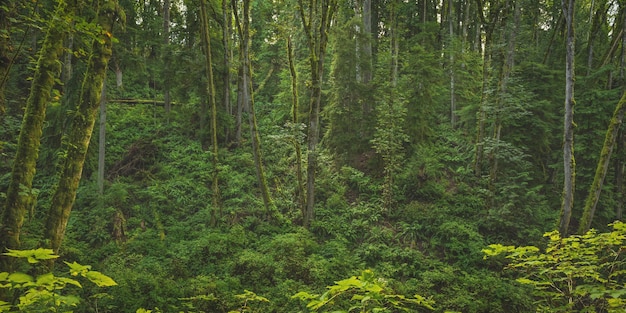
(583, 273)
(368, 294)
(44, 293)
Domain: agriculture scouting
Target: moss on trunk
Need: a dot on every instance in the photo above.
(19, 195)
(79, 135)
(603, 165)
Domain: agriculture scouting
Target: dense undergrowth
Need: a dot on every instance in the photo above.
(155, 232)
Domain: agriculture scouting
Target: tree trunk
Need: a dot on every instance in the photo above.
(166, 57)
(603, 165)
(568, 127)
(243, 27)
(451, 66)
(5, 57)
(81, 128)
(102, 138)
(226, 29)
(316, 21)
(19, 196)
(366, 45)
(212, 104)
(294, 113)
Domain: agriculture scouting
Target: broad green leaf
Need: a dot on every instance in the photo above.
(70, 281)
(100, 279)
(20, 278)
(33, 256)
(77, 269)
(4, 306)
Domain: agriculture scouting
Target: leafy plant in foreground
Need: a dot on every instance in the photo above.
(44, 292)
(368, 294)
(583, 273)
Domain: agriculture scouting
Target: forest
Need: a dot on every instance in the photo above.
(312, 156)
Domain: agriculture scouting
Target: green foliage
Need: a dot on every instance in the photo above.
(365, 293)
(584, 273)
(46, 292)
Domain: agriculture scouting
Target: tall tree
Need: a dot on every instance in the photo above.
(243, 28)
(316, 16)
(226, 34)
(603, 164)
(166, 57)
(79, 133)
(294, 119)
(6, 8)
(19, 196)
(568, 121)
(210, 90)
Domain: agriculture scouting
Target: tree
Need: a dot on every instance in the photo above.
(79, 134)
(243, 28)
(6, 8)
(210, 90)
(294, 119)
(603, 165)
(20, 196)
(568, 122)
(316, 16)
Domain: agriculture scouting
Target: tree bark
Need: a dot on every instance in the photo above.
(19, 196)
(212, 104)
(102, 139)
(166, 56)
(6, 7)
(568, 125)
(603, 165)
(243, 27)
(294, 118)
(226, 31)
(316, 21)
(79, 134)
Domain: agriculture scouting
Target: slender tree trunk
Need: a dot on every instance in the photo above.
(366, 46)
(603, 165)
(243, 27)
(451, 59)
(240, 108)
(568, 127)
(316, 19)
(79, 135)
(166, 57)
(5, 55)
(102, 139)
(212, 104)
(226, 28)
(294, 118)
(119, 76)
(482, 112)
(19, 196)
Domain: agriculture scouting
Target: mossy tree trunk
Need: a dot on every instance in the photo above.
(603, 165)
(19, 196)
(316, 16)
(243, 28)
(79, 134)
(294, 119)
(212, 104)
(568, 125)
(6, 7)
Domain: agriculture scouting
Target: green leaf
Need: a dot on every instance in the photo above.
(20, 278)
(33, 256)
(77, 269)
(100, 279)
